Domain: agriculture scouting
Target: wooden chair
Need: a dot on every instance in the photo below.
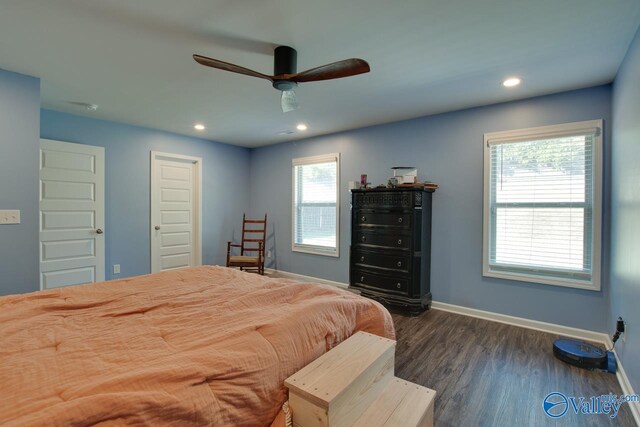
(253, 241)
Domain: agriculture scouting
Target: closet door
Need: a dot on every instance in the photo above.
(175, 211)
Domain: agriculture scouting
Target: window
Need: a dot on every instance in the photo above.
(542, 204)
(315, 204)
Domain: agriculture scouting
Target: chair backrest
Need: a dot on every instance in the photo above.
(254, 231)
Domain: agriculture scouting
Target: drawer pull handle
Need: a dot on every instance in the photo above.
(362, 259)
(364, 218)
(362, 279)
(399, 219)
(364, 238)
(398, 285)
(399, 241)
(399, 263)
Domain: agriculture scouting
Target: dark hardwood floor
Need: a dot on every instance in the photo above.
(491, 374)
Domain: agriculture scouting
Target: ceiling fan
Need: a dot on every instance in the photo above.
(286, 78)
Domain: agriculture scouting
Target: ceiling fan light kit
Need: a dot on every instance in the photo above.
(285, 76)
(289, 101)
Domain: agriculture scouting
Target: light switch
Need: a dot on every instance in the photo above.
(10, 217)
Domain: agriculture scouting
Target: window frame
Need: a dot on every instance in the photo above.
(547, 132)
(310, 249)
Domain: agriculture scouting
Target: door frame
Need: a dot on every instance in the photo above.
(197, 208)
(101, 218)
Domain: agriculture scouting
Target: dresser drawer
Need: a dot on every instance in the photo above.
(392, 199)
(397, 219)
(371, 280)
(380, 238)
(399, 262)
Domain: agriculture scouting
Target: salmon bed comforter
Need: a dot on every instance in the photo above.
(199, 346)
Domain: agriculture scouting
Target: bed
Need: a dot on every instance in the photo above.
(199, 346)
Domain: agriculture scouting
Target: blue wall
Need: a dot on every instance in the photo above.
(446, 148)
(127, 196)
(19, 145)
(625, 210)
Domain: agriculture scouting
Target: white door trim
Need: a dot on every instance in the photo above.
(197, 220)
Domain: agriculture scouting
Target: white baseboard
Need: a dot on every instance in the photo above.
(307, 278)
(625, 385)
(552, 328)
(627, 389)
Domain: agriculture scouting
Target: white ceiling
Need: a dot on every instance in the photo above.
(133, 57)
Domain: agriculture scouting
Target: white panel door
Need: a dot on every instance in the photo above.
(71, 214)
(175, 211)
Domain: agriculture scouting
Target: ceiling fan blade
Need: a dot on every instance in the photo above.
(289, 101)
(221, 65)
(336, 70)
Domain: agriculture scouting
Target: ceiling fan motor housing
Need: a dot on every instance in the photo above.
(285, 61)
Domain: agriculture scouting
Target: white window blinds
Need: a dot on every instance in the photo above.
(544, 209)
(315, 204)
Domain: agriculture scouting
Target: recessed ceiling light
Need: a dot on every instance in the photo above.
(199, 126)
(511, 82)
(301, 126)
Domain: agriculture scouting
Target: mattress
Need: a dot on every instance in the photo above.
(199, 346)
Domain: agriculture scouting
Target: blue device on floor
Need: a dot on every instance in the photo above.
(584, 355)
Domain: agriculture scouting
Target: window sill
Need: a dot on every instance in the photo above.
(593, 285)
(314, 251)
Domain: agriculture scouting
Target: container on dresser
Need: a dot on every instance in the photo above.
(391, 246)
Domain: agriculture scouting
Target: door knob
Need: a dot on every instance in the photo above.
(99, 231)
(157, 227)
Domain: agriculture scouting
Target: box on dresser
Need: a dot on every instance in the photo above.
(390, 257)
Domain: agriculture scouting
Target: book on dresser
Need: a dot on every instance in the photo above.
(390, 258)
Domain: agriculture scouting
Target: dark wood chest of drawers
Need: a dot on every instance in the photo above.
(391, 246)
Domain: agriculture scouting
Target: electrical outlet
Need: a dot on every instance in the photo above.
(116, 268)
(268, 254)
(10, 217)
